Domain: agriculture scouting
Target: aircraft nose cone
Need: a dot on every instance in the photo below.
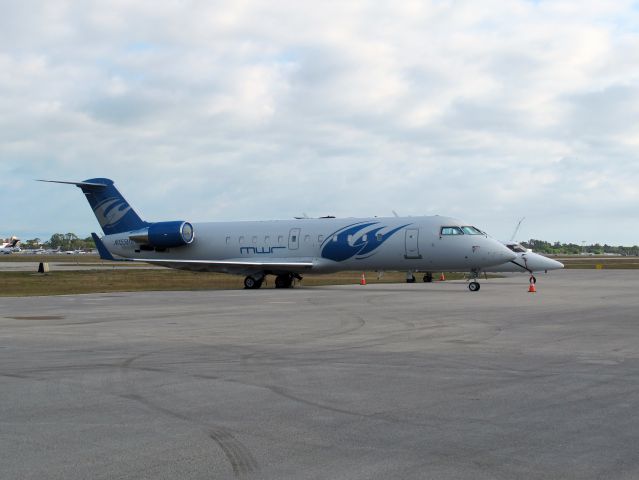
(554, 264)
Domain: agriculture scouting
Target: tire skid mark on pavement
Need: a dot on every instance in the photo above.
(238, 455)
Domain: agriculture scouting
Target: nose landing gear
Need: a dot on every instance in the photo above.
(474, 285)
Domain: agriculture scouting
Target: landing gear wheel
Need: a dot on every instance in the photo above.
(251, 283)
(410, 279)
(428, 278)
(284, 281)
(474, 286)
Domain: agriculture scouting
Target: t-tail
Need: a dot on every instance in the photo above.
(113, 212)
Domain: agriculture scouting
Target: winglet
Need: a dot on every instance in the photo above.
(102, 250)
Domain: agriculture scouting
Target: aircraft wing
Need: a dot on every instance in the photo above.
(233, 265)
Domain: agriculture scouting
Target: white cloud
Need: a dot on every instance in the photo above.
(234, 110)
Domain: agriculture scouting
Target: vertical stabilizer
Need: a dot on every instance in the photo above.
(113, 212)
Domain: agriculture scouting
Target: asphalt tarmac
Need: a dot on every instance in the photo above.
(424, 381)
(62, 266)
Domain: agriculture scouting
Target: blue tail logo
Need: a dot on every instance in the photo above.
(357, 241)
(110, 211)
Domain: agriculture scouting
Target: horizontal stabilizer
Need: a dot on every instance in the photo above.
(113, 212)
(77, 184)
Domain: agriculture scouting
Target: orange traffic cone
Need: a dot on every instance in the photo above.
(442, 277)
(363, 279)
(532, 288)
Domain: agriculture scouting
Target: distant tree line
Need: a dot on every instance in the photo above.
(62, 241)
(558, 248)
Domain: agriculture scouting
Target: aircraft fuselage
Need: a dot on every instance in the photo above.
(330, 244)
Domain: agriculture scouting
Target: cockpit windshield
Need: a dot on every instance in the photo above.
(451, 231)
(472, 231)
(515, 247)
(465, 230)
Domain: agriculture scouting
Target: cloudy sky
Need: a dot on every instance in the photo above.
(201, 110)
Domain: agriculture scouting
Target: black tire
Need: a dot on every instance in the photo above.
(250, 283)
(283, 281)
(474, 286)
(428, 278)
(410, 280)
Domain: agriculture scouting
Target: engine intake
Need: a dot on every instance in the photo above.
(165, 234)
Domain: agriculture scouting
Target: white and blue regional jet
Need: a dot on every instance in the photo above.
(289, 248)
(527, 261)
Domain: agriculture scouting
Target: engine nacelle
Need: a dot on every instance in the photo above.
(165, 234)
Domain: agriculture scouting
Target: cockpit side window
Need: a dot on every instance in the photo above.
(515, 247)
(451, 231)
(468, 230)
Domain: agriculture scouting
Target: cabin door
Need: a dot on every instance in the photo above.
(294, 239)
(412, 246)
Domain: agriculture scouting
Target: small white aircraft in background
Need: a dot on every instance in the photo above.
(10, 246)
(527, 261)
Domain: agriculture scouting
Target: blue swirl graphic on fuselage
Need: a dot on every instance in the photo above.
(338, 248)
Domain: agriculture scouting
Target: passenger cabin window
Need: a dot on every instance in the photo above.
(280, 240)
(379, 237)
(241, 239)
(320, 238)
(472, 231)
(335, 238)
(254, 239)
(365, 238)
(294, 238)
(451, 231)
(307, 238)
(228, 239)
(267, 240)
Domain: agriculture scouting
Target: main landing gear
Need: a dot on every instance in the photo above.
(285, 280)
(252, 283)
(428, 277)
